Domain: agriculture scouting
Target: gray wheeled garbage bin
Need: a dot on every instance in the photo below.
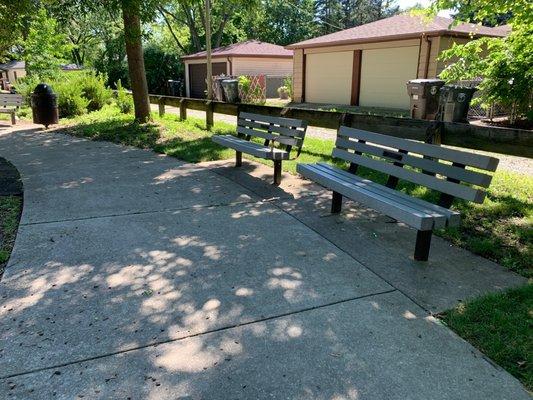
(424, 96)
(231, 90)
(454, 102)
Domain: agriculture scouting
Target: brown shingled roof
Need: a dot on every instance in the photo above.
(404, 26)
(250, 48)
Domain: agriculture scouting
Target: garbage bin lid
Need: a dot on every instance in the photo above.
(43, 88)
(230, 80)
(426, 81)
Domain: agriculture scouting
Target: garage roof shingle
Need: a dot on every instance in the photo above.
(402, 26)
(250, 48)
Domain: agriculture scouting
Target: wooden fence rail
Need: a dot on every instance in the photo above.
(516, 142)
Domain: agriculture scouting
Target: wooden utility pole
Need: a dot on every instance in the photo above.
(208, 49)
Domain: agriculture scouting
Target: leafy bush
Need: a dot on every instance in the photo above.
(94, 90)
(77, 92)
(124, 100)
(287, 83)
(161, 66)
(70, 100)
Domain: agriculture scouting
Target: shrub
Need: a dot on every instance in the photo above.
(287, 83)
(70, 100)
(94, 90)
(124, 99)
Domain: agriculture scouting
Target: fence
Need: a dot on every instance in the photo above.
(517, 142)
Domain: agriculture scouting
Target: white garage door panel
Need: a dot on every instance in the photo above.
(384, 73)
(328, 77)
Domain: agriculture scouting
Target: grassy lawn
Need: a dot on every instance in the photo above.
(500, 229)
(10, 209)
(500, 326)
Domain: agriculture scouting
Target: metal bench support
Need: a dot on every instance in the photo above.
(336, 203)
(423, 243)
(277, 172)
(238, 158)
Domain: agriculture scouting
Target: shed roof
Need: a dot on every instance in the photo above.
(13, 65)
(250, 48)
(404, 26)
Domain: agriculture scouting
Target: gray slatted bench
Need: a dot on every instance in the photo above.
(432, 166)
(287, 133)
(9, 103)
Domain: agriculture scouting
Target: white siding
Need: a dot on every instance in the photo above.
(384, 74)
(262, 66)
(328, 77)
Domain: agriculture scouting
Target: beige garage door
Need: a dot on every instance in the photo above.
(384, 73)
(328, 77)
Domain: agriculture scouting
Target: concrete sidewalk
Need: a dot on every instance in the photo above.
(137, 276)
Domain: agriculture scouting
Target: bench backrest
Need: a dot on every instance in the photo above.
(288, 132)
(436, 167)
(9, 99)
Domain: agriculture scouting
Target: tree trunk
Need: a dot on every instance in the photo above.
(134, 50)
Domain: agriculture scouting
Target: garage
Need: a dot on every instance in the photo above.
(251, 58)
(328, 77)
(384, 73)
(198, 75)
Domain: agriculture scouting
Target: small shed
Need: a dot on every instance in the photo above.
(246, 58)
(12, 70)
(369, 65)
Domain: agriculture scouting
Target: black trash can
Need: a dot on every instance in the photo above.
(231, 90)
(44, 105)
(424, 96)
(454, 102)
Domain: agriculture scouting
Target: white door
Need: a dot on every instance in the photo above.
(384, 74)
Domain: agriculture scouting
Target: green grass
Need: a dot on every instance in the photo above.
(10, 209)
(500, 325)
(500, 229)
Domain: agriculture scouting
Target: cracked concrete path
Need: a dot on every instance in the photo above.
(137, 276)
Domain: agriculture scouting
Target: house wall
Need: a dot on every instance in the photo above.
(302, 63)
(298, 76)
(446, 42)
(261, 66)
(13, 74)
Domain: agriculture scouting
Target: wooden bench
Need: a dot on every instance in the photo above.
(435, 167)
(9, 103)
(279, 135)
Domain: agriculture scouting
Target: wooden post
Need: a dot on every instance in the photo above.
(208, 50)
(161, 104)
(183, 109)
(209, 115)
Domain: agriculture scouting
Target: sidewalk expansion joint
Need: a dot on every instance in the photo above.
(198, 334)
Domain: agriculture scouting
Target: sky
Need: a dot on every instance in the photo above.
(425, 3)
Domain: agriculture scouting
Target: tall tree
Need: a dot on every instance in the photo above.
(131, 14)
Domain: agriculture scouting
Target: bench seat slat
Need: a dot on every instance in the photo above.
(251, 148)
(460, 157)
(408, 215)
(296, 133)
(425, 164)
(287, 122)
(454, 189)
(268, 136)
(453, 217)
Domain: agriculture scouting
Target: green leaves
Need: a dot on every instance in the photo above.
(45, 47)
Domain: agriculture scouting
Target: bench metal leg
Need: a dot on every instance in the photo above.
(336, 203)
(13, 121)
(423, 243)
(277, 172)
(238, 158)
